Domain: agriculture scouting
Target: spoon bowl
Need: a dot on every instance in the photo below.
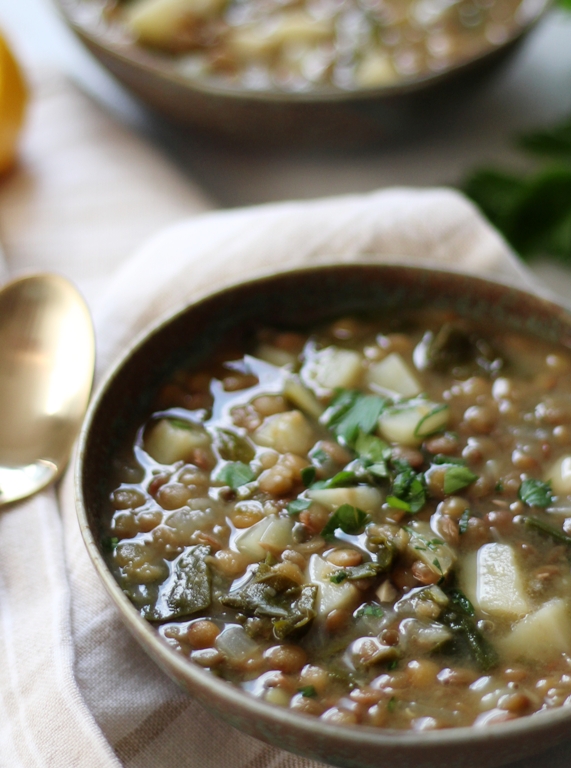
(47, 355)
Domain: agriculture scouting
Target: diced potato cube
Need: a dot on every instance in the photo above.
(374, 70)
(155, 22)
(393, 375)
(277, 536)
(248, 540)
(493, 581)
(168, 441)
(560, 476)
(362, 496)
(288, 432)
(274, 355)
(330, 596)
(263, 39)
(411, 422)
(540, 636)
(424, 545)
(333, 368)
(302, 397)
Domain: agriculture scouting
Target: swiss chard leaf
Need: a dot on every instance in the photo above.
(346, 518)
(271, 595)
(340, 480)
(548, 530)
(535, 493)
(356, 572)
(188, 588)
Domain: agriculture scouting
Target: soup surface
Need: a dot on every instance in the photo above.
(369, 522)
(300, 45)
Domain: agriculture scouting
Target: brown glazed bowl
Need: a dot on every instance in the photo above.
(294, 298)
(330, 119)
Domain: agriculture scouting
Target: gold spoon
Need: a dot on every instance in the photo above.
(47, 356)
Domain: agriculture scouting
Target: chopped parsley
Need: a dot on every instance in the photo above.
(457, 477)
(235, 474)
(407, 492)
(535, 493)
(463, 522)
(308, 691)
(108, 543)
(298, 505)
(308, 476)
(372, 609)
(348, 519)
(351, 413)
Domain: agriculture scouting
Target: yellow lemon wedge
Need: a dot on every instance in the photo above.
(13, 100)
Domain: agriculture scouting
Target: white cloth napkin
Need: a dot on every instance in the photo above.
(75, 689)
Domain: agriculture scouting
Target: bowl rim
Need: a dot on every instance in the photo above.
(151, 63)
(167, 658)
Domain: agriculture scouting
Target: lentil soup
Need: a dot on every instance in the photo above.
(368, 522)
(318, 45)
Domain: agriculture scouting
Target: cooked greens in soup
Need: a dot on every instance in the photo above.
(300, 45)
(368, 523)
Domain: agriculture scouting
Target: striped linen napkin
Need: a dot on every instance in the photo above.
(75, 689)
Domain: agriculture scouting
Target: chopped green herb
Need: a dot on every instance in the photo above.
(308, 691)
(379, 469)
(441, 458)
(349, 519)
(499, 487)
(407, 490)
(338, 577)
(457, 477)
(393, 664)
(298, 505)
(371, 448)
(436, 564)
(549, 530)
(535, 493)
(465, 631)
(181, 424)
(319, 456)
(352, 413)
(370, 610)
(396, 503)
(340, 480)
(233, 447)
(235, 474)
(308, 476)
(460, 602)
(463, 522)
(108, 543)
(392, 703)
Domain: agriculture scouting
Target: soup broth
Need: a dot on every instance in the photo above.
(368, 522)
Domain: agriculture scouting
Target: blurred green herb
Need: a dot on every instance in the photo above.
(532, 210)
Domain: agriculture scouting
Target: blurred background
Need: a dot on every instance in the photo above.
(529, 90)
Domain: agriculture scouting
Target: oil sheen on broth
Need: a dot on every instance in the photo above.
(304, 45)
(367, 523)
